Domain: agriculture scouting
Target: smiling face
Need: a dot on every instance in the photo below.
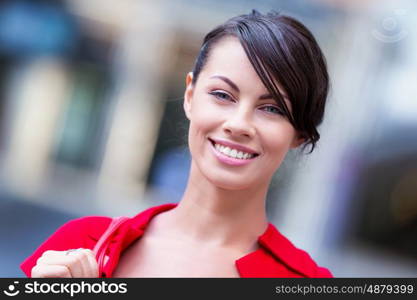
(238, 136)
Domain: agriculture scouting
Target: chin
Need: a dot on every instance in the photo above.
(230, 184)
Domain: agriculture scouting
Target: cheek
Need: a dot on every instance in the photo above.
(277, 140)
(205, 115)
(201, 125)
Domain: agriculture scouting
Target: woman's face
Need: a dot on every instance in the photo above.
(237, 136)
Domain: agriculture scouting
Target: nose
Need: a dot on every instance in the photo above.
(240, 124)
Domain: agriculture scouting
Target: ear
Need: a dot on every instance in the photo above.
(188, 95)
(297, 141)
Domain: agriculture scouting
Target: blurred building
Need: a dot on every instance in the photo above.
(92, 122)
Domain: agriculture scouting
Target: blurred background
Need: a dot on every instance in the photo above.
(91, 123)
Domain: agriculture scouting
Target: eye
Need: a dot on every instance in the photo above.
(272, 109)
(221, 95)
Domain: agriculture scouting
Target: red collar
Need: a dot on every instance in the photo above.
(276, 253)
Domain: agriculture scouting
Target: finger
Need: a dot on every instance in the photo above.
(51, 253)
(93, 265)
(71, 261)
(82, 256)
(50, 271)
(88, 262)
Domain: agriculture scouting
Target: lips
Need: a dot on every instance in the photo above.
(232, 154)
(232, 145)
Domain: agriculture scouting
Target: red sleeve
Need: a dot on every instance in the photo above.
(79, 233)
(323, 273)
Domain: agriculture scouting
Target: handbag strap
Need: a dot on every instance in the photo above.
(103, 242)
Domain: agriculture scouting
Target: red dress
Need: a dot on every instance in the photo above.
(276, 256)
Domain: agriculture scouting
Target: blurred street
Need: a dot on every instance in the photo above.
(92, 123)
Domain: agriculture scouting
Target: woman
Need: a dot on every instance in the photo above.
(257, 90)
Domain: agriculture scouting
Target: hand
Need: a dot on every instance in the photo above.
(73, 263)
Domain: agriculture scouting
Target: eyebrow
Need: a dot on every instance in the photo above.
(235, 87)
(228, 81)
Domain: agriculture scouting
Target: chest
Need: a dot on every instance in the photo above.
(149, 257)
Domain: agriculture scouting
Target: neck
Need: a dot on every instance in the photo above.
(213, 215)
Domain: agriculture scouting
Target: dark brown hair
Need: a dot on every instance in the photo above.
(282, 51)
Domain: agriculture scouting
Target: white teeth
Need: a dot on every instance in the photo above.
(233, 152)
(226, 151)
